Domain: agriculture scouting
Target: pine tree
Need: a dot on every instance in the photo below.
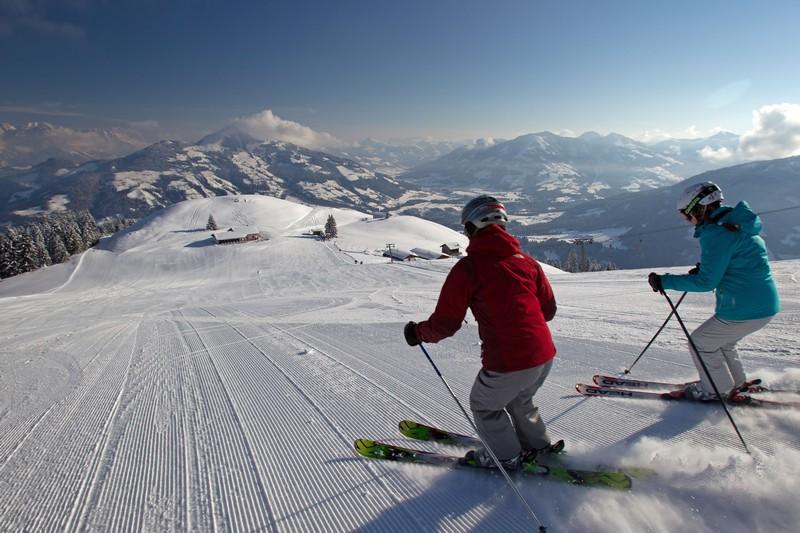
(330, 228)
(90, 233)
(571, 264)
(57, 249)
(42, 256)
(24, 252)
(5, 256)
(211, 224)
(72, 236)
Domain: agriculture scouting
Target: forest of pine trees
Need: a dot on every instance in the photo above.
(51, 240)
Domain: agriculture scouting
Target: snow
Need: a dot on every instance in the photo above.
(161, 383)
(354, 175)
(57, 203)
(127, 180)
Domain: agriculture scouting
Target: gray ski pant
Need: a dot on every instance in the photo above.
(506, 418)
(716, 344)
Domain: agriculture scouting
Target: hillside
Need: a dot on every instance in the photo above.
(162, 383)
(226, 163)
(644, 229)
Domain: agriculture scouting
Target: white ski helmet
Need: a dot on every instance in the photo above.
(484, 210)
(704, 193)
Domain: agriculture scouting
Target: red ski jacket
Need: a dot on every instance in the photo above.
(510, 297)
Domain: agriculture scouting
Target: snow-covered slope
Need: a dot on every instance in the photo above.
(161, 383)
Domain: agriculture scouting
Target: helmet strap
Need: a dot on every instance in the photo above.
(470, 229)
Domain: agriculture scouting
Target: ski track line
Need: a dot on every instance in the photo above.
(425, 400)
(69, 440)
(198, 436)
(44, 414)
(123, 489)
(262, 493)
(473, 515)
(72, 274)
(82, 504)
(426, 395)
(156, 504)
(345, 439)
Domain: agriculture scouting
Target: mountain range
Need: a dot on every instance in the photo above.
(541, 177)
(644, 229)
(35, 142)
(169, 171)
(548, 170)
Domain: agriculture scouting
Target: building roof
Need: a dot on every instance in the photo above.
(400, 255)
(233, 233)
(428, 254)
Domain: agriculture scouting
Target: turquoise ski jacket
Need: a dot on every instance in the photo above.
(733, 261)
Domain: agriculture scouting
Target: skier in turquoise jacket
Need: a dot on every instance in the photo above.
(734, 263)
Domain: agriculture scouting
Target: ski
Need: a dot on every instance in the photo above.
(753, 386)
(628, 383)
(677, 395)
(389, 452)
(419, 431)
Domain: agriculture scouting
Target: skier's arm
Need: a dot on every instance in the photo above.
(544, 292)
(451, 308)
(716, 250)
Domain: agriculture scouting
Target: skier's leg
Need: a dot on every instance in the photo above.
(732, 354)
(710, 338)
(529, 426)
(491, 392)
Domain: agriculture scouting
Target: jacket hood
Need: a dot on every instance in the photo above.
(493, 240)
(742, 216)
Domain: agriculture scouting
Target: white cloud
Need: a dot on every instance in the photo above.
(718, 154)
(775, 133)
(267, 125)
(692, 132)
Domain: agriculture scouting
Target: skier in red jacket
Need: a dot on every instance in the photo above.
(512, 301)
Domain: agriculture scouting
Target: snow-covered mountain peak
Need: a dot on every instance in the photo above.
(229, 137)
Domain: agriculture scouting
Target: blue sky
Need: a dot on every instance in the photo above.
(447, 69)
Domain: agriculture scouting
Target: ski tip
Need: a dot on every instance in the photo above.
(364, 446)
(407, 425)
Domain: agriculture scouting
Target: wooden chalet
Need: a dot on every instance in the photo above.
(236, 235)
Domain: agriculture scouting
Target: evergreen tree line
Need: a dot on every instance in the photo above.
(573, 264)
(51, 240)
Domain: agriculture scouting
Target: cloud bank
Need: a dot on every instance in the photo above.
(775, 133)
(266, 125)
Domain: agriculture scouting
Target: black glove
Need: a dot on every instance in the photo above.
(695, 270)
(655, 282)
(410, 333)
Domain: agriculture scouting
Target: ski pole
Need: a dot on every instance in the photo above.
(628, 370)
(542, 529)
(708, 374)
